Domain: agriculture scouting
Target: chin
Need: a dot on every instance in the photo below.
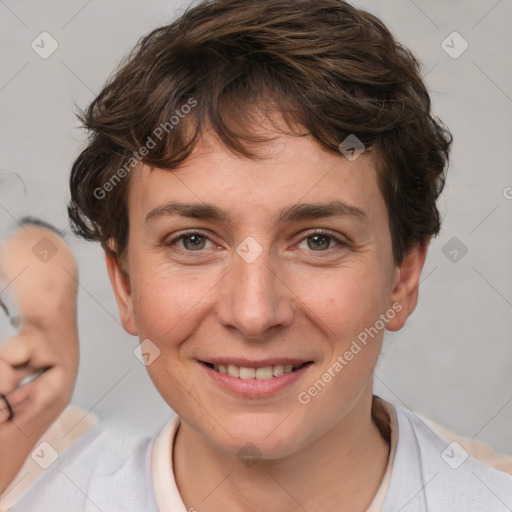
(269, 437)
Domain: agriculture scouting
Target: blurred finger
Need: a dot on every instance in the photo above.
(8, 378)
(8, 410)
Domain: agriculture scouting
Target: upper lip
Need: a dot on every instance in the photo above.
(251, 363)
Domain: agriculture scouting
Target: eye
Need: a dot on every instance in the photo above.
(320, 241)
(191, 241)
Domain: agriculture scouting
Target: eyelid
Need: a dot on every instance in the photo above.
(340, 240)
(186, 233)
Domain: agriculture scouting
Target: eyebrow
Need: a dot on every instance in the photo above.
(297, 212)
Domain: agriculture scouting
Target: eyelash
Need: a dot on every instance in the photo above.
(318, 231)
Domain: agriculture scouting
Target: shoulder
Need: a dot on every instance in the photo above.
(477, 449)
(434, 474)
(105, 469)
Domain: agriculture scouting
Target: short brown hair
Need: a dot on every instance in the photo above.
(323, 64)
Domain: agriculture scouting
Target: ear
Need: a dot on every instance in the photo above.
(404, 295)
(120, 282)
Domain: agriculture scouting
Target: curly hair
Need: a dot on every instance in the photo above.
(324, 65)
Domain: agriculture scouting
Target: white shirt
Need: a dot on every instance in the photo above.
(166, 492)
(72, 423)
(108, 471)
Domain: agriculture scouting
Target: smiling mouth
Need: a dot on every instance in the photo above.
(262, 373)
(33, 376)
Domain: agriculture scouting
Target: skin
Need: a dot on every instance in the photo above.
(294, 300)
(45, 293)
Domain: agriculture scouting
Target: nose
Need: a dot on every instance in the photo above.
(255, 299)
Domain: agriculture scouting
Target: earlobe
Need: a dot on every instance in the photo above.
(120, 282)
(404, 296)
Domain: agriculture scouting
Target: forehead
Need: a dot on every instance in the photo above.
(291, 171)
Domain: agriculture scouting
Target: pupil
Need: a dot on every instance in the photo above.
(195, 239)
(320, 245)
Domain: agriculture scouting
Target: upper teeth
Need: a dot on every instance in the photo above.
(243, 372)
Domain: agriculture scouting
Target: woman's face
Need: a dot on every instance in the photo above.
(227, 267)
(43, 292)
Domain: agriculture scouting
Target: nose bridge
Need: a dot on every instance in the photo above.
(254, 298)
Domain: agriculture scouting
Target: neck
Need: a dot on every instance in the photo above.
(340, 470)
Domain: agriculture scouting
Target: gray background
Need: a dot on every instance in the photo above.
(453, 360)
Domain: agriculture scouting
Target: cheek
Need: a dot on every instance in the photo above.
(166, 301)
(344, 300)
(70, 362)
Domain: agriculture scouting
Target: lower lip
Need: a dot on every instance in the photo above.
(255, 388)
(21, 393)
